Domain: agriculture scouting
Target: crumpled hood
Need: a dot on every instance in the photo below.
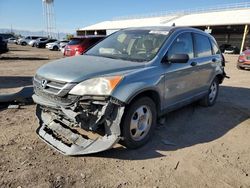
(79, 68)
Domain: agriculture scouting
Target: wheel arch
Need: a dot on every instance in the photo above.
(150, 93)
(220, 78)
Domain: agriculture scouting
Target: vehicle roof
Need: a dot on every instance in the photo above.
(171, 29)
(88, 36)
(164, 28)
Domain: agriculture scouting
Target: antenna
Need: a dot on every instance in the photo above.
(49, 18)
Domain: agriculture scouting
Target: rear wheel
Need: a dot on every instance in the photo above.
(210, 98)
(138, 122)
(55, 48)
(23, 43)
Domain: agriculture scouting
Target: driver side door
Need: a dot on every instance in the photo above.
(179, 82)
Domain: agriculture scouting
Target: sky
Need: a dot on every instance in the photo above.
(73, 14)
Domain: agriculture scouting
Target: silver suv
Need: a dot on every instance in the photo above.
(116, 91)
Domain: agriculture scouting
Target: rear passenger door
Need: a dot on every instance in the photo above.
(203, 58)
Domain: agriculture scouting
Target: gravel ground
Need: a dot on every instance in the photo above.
(210, 147)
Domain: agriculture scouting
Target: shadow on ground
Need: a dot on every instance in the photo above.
(192, 125)
(19, 50)
(23, 58)
(14, 81)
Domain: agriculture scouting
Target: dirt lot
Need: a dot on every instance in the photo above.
(211, 146)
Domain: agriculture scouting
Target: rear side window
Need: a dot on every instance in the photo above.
(202, 46)
(183, 44)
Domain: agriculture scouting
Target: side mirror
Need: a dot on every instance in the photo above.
(176, 58)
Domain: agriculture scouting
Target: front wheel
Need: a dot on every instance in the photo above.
(210, 98)
(138, 122)
(23, 43)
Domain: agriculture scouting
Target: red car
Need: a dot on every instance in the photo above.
(244, 60)
(78, 45)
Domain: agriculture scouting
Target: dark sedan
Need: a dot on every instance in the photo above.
(42, 44)
(3, 46)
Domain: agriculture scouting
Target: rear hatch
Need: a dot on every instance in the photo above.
(73, 47)
(78, 46)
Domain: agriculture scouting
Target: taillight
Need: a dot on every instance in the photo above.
(79, 50)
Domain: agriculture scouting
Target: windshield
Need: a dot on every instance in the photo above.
(131, 45)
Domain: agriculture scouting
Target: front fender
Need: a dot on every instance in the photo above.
(127, 90)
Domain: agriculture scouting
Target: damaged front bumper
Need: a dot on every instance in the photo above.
(66, 128)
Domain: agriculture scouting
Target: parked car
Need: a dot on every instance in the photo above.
(62, 49)
(223, 47)
(3, 46)
(79, 45)
(6, 36)
(232, 50)
(244, 60)
(56, 45)
(42, 44)
(33, 42)
(12, 40)
(120, 86)
(26, 40)
(63, 43)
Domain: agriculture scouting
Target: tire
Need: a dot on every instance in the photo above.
(55, 48)
(138, 123)
(23, 43)
(210, 98)
(240, 68)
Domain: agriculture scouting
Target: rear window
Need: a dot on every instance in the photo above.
(202, 46)
(52, 40)
(75, 41)
(89, 41)
(43, 39)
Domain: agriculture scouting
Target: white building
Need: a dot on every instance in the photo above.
(228, 23)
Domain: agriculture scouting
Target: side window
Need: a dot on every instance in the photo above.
(183, 44)
(202, 46)
(215, 48)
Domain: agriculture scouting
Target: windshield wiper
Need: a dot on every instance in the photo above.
(115, 57)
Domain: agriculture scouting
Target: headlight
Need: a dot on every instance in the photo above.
(96, 86)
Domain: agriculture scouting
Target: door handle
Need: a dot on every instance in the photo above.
(193, 63)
